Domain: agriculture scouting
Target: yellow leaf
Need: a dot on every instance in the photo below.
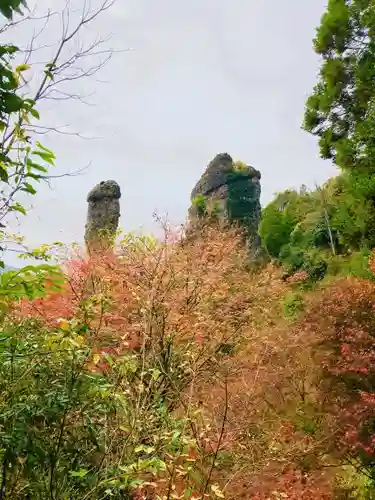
(217, 491)
(22, 67)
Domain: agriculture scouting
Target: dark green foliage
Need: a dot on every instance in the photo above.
(292, 258)
(279, 219)
(314, 231)
(353, 213)
(8, 7)
(10, 102)
(355, 264)
(318, 230)
(341, 112)
(315, 266)
(313, 262)
(60, 423)
(341, 109)
(37, 440)
(294, 227)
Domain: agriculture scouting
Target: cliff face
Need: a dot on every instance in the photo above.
(230, 191)
(103, 215)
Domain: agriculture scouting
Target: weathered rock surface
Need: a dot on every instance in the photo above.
(231, 191)
(103, 215)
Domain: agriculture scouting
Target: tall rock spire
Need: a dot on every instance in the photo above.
(231, 192)
(103, 216)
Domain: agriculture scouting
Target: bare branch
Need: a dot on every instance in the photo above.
(44, 130)
(66, 69)
(52, 80)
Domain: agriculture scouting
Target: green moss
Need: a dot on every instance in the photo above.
(200, 203)
(240, 166)
(243, 200)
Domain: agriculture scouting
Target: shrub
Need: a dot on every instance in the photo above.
(200, 203)
(342, 320)
(315, 266)
(240, 166)
(355, 264)
(99, 379)
(293, 304)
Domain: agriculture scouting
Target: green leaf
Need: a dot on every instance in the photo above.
(34, 113)
(176, 436)
(144, 449)
(79, 473)
(8, 50)
(17, 207)
(28, 188)
(3, 172)
(46, 150)
(31, 165)
(49, 74)
(11, 102)
(8, 7)
(45, 156)
(36, 177)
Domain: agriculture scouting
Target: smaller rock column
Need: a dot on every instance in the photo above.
(103, 216)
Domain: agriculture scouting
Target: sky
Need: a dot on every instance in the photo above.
(191, 79)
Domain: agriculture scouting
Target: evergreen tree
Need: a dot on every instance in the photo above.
(341, 109)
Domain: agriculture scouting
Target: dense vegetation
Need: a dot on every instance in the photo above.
(323, 238)
(332, 226)
(165, 369)
(324, 230)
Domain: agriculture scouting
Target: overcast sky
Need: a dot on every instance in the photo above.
(203, 77)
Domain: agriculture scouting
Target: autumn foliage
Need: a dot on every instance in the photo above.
(172, 312)
(343, 320)
(221, 396)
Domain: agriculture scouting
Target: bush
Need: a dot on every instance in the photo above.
(315, 266)
(312, 262)
(355, 264)
(292, 259)
(293, 305)
(342, 319)
(200, 203)
(60, 424)
(97, 379)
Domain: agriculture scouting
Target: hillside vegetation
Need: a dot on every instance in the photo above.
(172, 368)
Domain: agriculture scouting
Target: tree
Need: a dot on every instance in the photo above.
(341, 320)
(296, 219)
(341, 109)
(24, 161)
(100, 389)
(278, 221)
(352, 210)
